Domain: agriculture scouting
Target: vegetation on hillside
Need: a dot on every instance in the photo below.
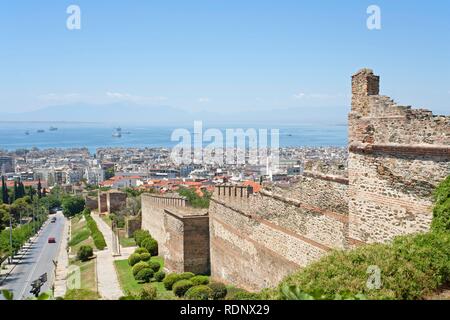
(412, 266)
(194, 199)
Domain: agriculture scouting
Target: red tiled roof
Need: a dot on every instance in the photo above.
(256, 186)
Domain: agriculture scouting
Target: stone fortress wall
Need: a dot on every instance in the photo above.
(182, 232)
(258, 238)
(397, 156)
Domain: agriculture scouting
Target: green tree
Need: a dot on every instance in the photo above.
(72, 205)
(109, 173)
(15, 191)
(39, 189)
(5, 195)
(4, 216)
(194, 199)
(21, 187)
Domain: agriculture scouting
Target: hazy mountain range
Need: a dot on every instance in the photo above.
(133, 113)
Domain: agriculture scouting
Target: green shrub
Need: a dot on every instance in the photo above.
(194, 199)
(441, 210)
(180, 287)
(140, 250)
(144, 275)
(138, 267)
(148, 292)
(97, 236)
(140, 235)
(85, 253)
(411, 267)
(219, 290)
(154, 265)
(170, 279)
(159, 276)
(145, 256)
(200, 280)
(200, 292)
(151, 245)
(133, 259)
(186, 275)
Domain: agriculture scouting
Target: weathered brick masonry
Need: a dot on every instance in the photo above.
(182, 232)
(257, 239)
(397, 156)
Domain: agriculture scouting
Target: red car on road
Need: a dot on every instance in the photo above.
(51, 240)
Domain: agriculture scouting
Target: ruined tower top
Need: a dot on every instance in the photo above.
(364, 84)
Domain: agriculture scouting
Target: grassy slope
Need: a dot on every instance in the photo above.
(88, 289)
(129, 284)
(78, 226)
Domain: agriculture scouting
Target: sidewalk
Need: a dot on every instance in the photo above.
(63, 264)
(108, 283)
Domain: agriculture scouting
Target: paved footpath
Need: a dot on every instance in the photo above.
(108, 282)
(63, 263)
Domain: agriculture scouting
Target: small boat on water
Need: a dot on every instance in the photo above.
(27, 133)
(40, 131)
(53, 129)
(117, 133)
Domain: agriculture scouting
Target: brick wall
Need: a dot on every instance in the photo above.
(397, 157)
(116, 201)
(187, 242)
(153, 214)
(258, 239)
(102, 205)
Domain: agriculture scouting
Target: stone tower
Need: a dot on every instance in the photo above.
(364, 84)
(397, 156)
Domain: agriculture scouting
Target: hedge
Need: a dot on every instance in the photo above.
(144, 275)
(200, 280)
(181, 287)
(148, 292)
(85, 253)
(138, 267)
(200, 292)
(219, 290)
(159, 276)
(97, 236)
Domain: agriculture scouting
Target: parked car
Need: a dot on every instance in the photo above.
(51, 240)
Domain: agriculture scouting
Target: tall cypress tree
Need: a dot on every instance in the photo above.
(15, 191)
(39, 189)
(22, 189)
(5, 196)
(31, 192)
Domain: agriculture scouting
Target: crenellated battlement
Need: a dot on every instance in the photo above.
(170, 200)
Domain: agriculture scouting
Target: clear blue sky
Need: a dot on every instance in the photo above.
(222, 54)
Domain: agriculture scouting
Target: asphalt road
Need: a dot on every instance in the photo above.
(37, 261)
